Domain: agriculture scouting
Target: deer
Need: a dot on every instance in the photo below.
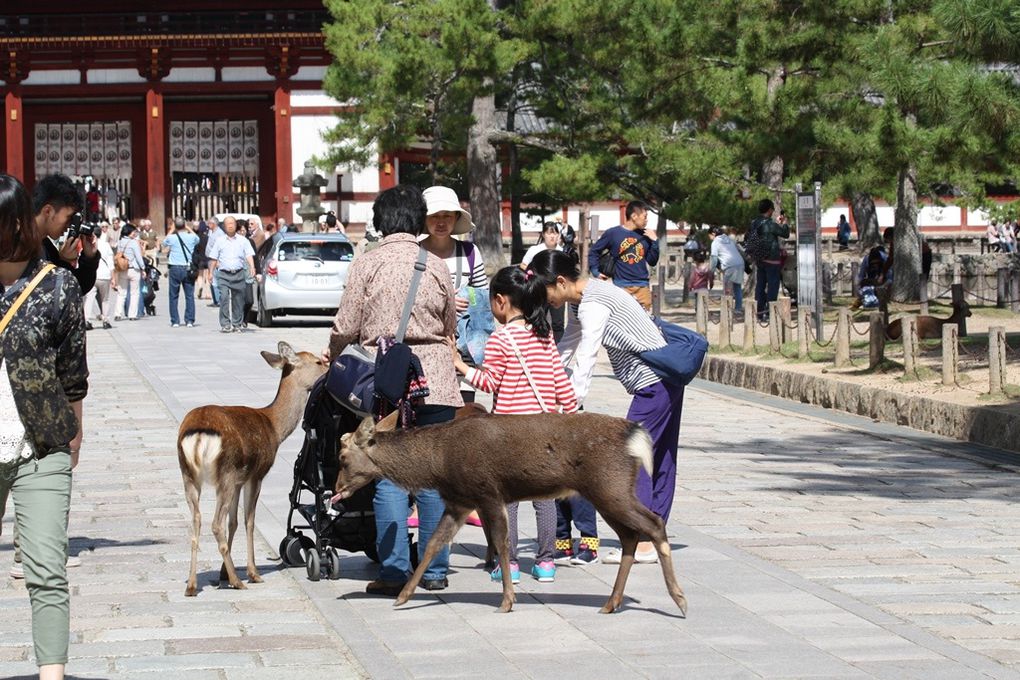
(233, 447)
(929, 327)
(485, 461)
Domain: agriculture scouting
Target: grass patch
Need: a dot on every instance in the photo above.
(1009, 391)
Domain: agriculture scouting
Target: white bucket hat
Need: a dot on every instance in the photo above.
(444, 199)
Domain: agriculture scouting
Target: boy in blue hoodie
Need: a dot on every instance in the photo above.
(633, 250)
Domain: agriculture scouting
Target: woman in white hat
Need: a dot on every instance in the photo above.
(446, 219)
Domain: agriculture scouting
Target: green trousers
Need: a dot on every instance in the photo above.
(42, 499)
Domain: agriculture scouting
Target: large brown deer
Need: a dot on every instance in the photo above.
(233, 447)
(486, 461)
(929, 327)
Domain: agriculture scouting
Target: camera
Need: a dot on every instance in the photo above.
(78, 227)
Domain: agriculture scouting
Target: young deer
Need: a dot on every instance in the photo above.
(929, 327)
(234, 447)
(486, 461)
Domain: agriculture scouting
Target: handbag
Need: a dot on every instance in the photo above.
(13, 440)
(192, 274)
(358, 380)
(607, 263)
(680, 360)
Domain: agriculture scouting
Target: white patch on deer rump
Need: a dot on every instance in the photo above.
(201, 449)
(639, 445)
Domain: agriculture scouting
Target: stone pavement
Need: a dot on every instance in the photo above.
(808, 547)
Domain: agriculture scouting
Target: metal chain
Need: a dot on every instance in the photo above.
(832, 338)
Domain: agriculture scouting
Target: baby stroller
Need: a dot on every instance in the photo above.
(149, 286)
(348, 524)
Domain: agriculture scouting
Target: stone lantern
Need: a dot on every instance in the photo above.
(308, 183)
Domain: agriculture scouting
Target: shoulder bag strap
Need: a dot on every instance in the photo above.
(187, 253)
(405, 316)
(456, 256)
(24, 296)
(527, 373)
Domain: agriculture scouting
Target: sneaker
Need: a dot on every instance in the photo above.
(515, 573)
(614, 556)
(544, 572)
(563, 557)
(175, 325)
(213, 304)
(73, 561)
(17, 570)
(107, 325)
(585, 556)
(435, 583)
(226, 329)
(236, 329)
(89, 326)
(190, 324)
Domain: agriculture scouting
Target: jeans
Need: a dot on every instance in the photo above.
(391, 505)
(178, 276)
(42, 500)
(766, 286)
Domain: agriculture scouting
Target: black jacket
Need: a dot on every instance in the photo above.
(84, 273)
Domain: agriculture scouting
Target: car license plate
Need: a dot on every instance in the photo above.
(318, 281)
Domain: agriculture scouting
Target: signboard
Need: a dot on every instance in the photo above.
(809, 254)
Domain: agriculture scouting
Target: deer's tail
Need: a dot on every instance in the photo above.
(639, 446)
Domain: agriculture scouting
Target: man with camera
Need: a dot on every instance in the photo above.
(69, 241)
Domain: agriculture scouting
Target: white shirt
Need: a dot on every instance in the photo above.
(212, 239)
(535, 250)
(231, 254)
(105, 270)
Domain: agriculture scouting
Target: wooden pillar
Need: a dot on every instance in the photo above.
(854, 283)
(950, 355)
(996, 359)
(775, 327)
(1001, 287)
(911, 346)
(957, 290)
(725, 321)
(155, 162)
(843, 338)
(803, 332)
(786, 314)
(1014, 291)
(750, 319)
(14, 125)
(284, 169)
(877, 338)
(701, 312)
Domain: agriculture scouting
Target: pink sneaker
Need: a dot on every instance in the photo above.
(412, 521)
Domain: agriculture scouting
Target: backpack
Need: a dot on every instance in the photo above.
(756, 247)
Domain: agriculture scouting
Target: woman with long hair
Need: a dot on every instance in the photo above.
(43, 380)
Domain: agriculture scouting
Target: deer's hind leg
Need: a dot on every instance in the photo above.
(251, 499)
(193, 492)
(493, 514)
(451, 521)
(226, 499)
(637, 521)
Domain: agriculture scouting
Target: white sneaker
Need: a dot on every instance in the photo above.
(614, 556)
(17, 571)
(73, 561)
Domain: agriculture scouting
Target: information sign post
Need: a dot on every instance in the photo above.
(809, 253)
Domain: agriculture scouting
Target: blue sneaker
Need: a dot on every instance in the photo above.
(515, 573)
(544, 572)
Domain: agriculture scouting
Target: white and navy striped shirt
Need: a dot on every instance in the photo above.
(610, 317)
(469, 276)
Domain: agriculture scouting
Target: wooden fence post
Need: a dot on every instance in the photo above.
(786, 314)
(803, 332)
(750, 321)
(701, 312)
(855, 284)
(1001, 287)
(725, 321)
(910, 345)
(877, 340)
(1014, 291)
(958, 300)
(843, 338)
(827, 282)
(840, 271)
(686, 274)
(996, 359)
(775, 325)
(950, 355)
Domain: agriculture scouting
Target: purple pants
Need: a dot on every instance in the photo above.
(657, 408)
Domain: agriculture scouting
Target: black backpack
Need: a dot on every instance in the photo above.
(756, 246)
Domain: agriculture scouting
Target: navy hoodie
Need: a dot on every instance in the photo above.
(634, 252)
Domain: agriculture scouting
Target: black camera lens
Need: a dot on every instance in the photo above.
(74, 222)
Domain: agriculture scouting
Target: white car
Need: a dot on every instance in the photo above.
(302, 274)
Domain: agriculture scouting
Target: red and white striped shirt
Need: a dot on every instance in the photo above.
(502, 374)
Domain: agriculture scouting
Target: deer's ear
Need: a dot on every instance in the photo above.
(389, 423)
(287, 352)
(274, 360)
(365, 431)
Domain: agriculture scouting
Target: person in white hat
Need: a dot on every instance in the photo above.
(446, 219)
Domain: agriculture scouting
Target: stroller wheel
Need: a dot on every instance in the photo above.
(332, 564)
(313, 565)
(290, 551)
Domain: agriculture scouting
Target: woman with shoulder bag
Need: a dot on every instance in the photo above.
(43, 380)
(378, 285)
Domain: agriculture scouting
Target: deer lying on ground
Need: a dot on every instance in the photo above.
(928, 327)
(486, 461)
(233, 447)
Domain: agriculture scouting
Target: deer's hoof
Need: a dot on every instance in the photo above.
(505, 607)
(610, 606)
(682, 603)
(238, 585)
(253, 577)
(401, 600)
(191, 591)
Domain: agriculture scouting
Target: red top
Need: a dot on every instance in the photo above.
(502, 373)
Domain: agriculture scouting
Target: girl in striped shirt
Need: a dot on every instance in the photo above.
(524, 371)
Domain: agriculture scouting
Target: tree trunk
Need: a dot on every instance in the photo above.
(862, 207)
(773, 168)
(483, 183)
(907, 238)
(516, 238)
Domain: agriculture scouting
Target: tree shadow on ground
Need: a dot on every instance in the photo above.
(902, 468)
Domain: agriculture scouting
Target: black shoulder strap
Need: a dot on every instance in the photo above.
(187, 253)
(405, 316)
